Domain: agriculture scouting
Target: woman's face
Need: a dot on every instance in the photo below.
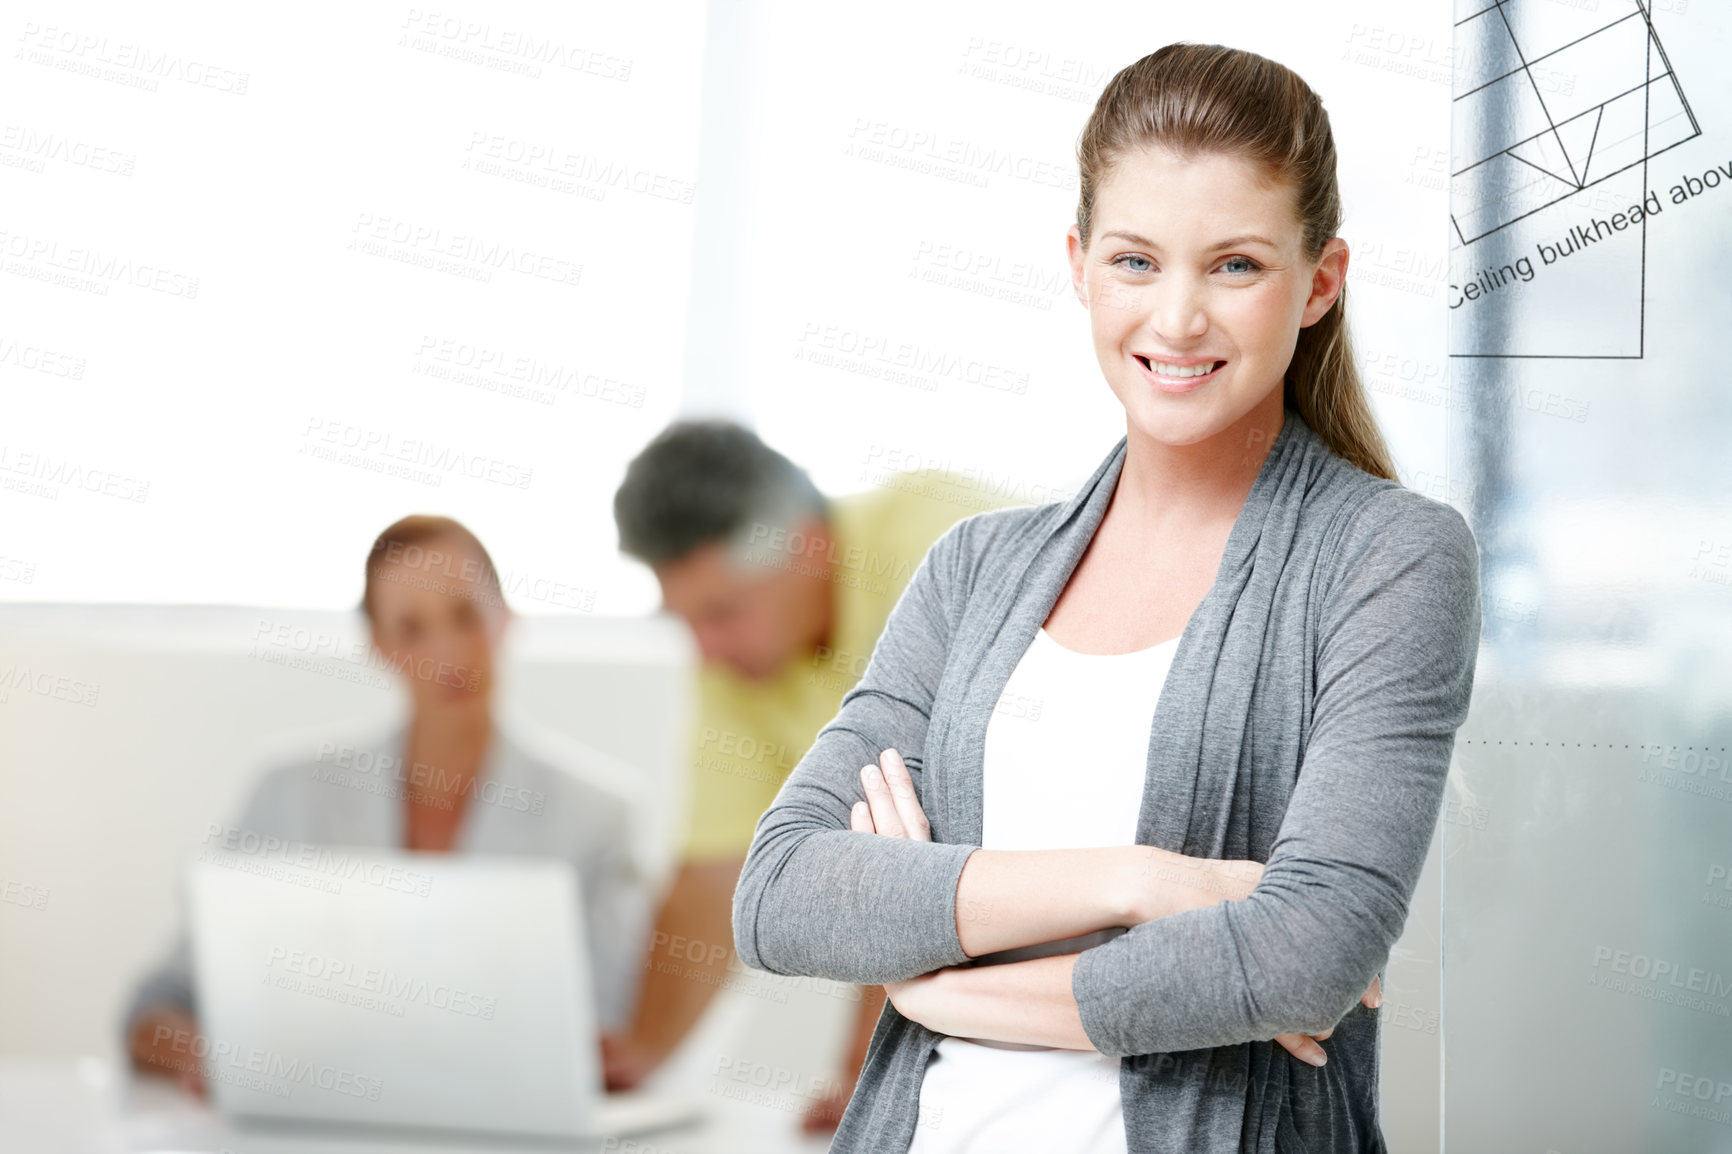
(437, 624)
(1197, 285)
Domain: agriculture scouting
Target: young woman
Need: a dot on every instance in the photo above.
(1183, 902)
(449, 778)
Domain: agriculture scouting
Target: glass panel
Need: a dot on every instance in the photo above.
(1588, 834)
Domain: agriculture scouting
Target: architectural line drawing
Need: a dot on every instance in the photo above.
(1557, 112)
(1617, 111)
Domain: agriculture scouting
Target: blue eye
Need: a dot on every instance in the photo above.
(1249, 265)
(1119, 260)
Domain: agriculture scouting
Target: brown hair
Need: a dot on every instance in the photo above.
(1209, 98)
(396, 546)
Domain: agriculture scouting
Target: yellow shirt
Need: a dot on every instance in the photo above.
(750, 734)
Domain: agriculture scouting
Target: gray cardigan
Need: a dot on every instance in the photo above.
(1339, 638)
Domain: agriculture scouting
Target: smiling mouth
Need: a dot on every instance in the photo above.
(1177, 372)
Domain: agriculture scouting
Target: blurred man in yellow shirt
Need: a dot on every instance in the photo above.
(786, 592)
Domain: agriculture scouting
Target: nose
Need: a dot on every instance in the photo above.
(442, 644)
(1177, 312)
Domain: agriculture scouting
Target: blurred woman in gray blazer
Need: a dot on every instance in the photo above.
(446, 780)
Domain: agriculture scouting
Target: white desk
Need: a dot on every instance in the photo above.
(85, 1106)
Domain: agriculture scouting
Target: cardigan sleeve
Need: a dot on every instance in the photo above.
(818, 899)
(1398, 639)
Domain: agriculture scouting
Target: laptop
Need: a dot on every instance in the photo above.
(430, 992)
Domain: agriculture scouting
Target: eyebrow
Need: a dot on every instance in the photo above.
(1230, 242)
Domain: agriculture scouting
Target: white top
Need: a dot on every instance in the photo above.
(1065, 765)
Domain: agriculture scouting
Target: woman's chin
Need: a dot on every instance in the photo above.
(1153, 421)
(451, 698)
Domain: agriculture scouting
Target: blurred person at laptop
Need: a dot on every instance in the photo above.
(447, 780)
(785, 591)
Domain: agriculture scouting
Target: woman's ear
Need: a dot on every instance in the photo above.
(1074, 249)
(1326, 282)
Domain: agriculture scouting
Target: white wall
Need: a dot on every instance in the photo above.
(274, 279)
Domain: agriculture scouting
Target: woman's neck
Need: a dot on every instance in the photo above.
(1167, 490)
(450, 745)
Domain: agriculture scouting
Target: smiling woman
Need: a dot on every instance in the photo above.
(1159, 922)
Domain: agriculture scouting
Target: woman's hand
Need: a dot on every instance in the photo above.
(166, 1040)
(1213, 881)
(891, 808)
(1305, 1047)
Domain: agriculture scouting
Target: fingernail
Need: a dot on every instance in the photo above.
(1318, 1060)
(868, 773)
(1377, 1000)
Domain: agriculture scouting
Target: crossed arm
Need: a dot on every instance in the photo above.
(1397, 636)
(1010, 898)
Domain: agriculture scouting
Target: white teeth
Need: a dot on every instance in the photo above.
(1160, 368)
